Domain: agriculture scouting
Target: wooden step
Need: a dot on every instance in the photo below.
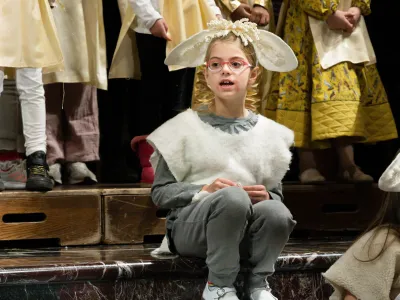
(318, 209)
(125, 214)
(129, 216)
(77, 215)
(72, 217)
(333, 207)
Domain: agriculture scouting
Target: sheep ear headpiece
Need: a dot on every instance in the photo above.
(272, 52)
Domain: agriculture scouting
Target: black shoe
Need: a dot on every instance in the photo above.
(37, 172)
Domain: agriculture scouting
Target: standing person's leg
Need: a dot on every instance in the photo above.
(349, 171)
(213, 228)
(82, 134)
(1, 80)
(269, 229)
(12, 167)
(154, 82)
(33, 108)
(1, 90)
(308, 167)
(55, 129)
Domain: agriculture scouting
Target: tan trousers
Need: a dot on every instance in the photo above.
(72, 123)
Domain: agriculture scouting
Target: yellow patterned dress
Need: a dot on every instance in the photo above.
(319, 105)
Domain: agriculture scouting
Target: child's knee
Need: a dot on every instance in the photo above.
(233, 200)
(276, 214)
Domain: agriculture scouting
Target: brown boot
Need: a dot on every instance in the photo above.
(311, 176)
(356, 176)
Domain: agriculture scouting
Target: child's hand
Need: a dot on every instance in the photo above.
(259, 15)
(339, 21)
(243, 11)
(354, 15)
(218, 184)
(257, 193)
(160, 29)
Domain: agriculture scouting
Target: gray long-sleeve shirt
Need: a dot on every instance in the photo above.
(166, 192)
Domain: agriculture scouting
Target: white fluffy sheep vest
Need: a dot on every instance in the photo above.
(198, 153)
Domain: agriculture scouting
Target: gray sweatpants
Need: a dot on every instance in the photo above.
(226, 221)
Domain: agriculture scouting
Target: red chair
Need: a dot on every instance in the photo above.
(144, 150)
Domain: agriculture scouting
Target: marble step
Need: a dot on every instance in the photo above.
(131, 272)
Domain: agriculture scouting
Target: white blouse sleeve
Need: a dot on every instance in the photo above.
(145, 11)
(214, 7)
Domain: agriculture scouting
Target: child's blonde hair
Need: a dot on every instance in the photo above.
(203, 97)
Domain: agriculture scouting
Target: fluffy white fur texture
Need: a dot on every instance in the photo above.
(198, 153)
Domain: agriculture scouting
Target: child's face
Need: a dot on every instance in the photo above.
(232, 80)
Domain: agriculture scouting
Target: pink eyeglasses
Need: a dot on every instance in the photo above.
(235, 65)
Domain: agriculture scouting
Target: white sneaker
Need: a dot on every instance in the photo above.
(219, 293)
(262, 294)
(55, 173)
(78, 172)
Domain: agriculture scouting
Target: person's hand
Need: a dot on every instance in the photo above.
(243, 11)
(52, 3)
(219, 17)
(259, 15)
(218, 184)
(257, 193)
(160, 29)
(354, 15)
(339, 21)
